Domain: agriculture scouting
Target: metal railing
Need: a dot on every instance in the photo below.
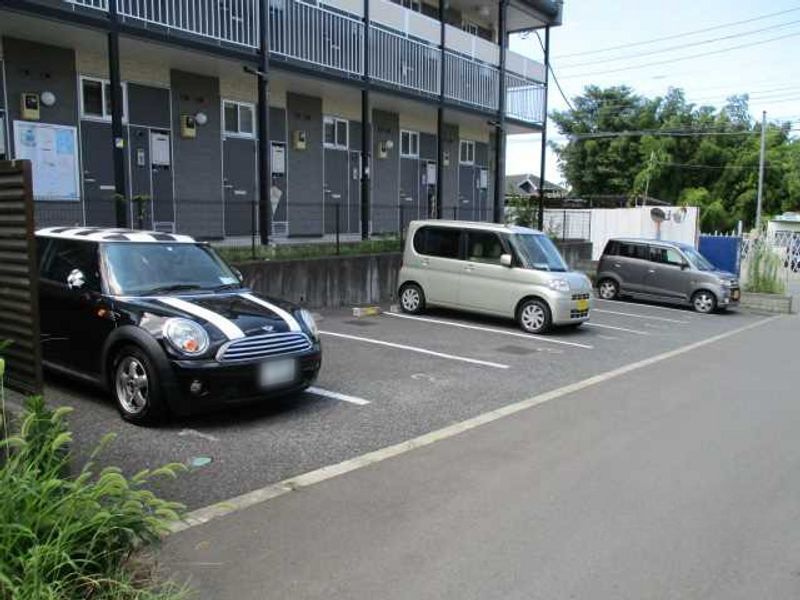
(402, 61)
(471, 81)
(317, 35)
(524, 99)
(565, 224)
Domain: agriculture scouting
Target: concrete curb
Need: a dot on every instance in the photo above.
(773, 304)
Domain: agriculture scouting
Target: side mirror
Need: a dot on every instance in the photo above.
(76, 279)
(684, 266)
(238, 274)
(505, 260)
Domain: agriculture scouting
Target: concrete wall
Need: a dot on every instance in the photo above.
(347, 280)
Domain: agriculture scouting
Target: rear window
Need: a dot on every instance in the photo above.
(633, 250)
(612, 248)
(443, 242)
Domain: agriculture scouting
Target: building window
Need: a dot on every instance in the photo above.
(336, 133)
(467, 152)
(238, 119)
(409, 144)
(96, 99)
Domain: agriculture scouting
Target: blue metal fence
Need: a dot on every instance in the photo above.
(723, 251)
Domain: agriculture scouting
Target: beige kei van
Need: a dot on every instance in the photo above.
(492, 269)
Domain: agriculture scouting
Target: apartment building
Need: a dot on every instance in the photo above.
(238, 115)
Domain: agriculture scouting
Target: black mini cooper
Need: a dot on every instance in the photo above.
(165, 324)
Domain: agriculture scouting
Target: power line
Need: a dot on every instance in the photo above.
(682, 46)
(553, 73)
(680, 35)
(691, 56)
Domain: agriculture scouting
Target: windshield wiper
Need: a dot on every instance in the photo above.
(228, 286)
(177, 287)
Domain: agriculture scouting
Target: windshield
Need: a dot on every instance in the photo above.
(146, 268)
(699, 261)
(538, 252)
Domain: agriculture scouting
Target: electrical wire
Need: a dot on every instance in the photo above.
(680, 35)
(682, 46)
(682, 58)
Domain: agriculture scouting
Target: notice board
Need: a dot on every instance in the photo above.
(53, 152)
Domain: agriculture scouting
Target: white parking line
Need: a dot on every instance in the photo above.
(337, 396)
(615, 328)
(653, 306)
(635, 316)
(529, 336)
(473, 361)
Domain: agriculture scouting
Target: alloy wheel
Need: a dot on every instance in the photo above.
(704, 302)
(608, 290)
(533, 317)
(410, 299)
(132, 385)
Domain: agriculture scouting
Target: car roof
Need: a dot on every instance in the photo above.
(499, 227)
(108, 234)
(650, 241)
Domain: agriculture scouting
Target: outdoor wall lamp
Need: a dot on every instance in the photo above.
(201, 118)
(384, 147)
(48, 98)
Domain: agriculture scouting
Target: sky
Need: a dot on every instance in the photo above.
(766, 68)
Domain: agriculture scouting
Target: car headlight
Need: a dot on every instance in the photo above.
(308, 320)
(728, 282)
(186, 336)
(559, 285)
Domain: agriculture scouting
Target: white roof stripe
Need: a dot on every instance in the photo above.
(100, 234)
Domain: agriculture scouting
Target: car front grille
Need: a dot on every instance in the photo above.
(580, 296)
(578, 314)
(263, 346)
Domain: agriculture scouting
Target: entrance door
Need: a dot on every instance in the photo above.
(98, 173)
(140, 212)
(337, 174)
(238, 181)
(163, 204)
(466, 193)
(409, 189)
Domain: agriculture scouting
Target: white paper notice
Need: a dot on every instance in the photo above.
(53, 152)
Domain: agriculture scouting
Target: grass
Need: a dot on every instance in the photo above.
(313, 250)
(763, 271)
(65, 537)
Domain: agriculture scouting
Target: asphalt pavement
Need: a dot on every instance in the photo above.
(384, 380)
(678, 476)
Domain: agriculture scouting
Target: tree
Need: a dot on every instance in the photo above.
(621, 143)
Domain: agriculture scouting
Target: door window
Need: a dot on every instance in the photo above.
(409, 144)
(629, 250)
(467, 152)
(438, 241)
(484, 246)
(336, 133)
(238, 119)
(665, 256)
(96, 99)
(67, 255)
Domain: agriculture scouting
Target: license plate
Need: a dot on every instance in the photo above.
(735, 294)
(583, 305)
(277, 372)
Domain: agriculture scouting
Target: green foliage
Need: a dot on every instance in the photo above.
(725, 166)
(521, 210)
(763, 270)
(295, 251)
(64, 537)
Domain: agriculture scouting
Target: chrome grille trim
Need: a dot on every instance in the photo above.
(263, 346)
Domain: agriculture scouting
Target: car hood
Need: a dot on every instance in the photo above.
(577, 281)
(723, 274)
(232, 314)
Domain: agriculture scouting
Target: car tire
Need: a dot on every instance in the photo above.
(534, 316)
(608, 289)
(135, 387)
(412, 299)
(704, 302)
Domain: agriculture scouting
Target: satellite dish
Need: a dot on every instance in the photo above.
(658, 215)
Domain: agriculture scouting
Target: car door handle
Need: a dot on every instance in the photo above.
(651, 270)
(469, 268)
(425, 262)
(617, 265)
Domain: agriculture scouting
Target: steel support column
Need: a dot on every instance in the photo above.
(543, 163)
(264, 147)
(117, 127)
(366, 138)
(498, 213)
(439, 208)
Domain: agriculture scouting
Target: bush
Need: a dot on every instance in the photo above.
(237, 254)
(64, 537)
(763, 270)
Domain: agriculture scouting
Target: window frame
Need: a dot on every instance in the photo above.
(644, 246)
(470, 144)
(412, 135)
(336, 121)
(666, 249)
(93, 278)
(104, 84)
(239, 106)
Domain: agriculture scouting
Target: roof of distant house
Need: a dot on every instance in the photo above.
(526, 184)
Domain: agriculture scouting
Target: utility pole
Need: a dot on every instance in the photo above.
(761, 167)
(543, 163)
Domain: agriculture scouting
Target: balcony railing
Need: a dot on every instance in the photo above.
(332, 37)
